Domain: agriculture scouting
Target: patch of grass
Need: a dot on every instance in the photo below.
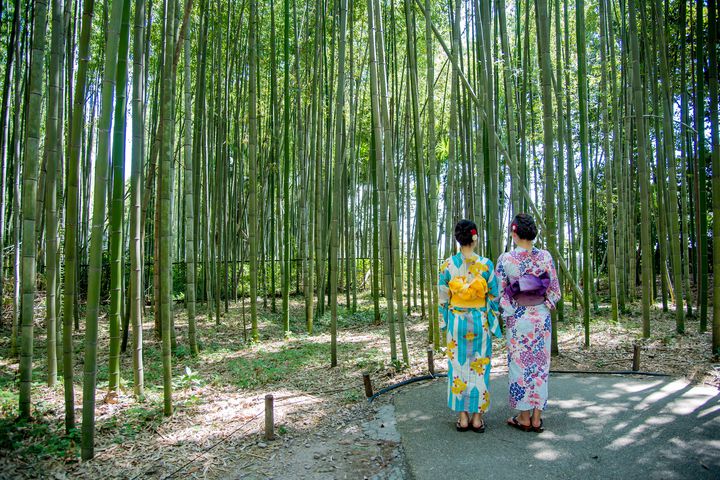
(270, 367)
(352, 396)
(370, 360)
(133, 421)
(37, 437)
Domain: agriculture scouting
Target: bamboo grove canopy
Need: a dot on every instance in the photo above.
(167, 155)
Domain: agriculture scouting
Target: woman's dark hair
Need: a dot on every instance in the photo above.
(464, 231)
(524, 225)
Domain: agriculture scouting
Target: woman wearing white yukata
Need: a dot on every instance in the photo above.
(529, 290)
(468, 294)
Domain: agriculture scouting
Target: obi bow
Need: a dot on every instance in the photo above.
(529, 290)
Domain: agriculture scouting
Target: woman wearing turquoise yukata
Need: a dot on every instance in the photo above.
(468, 312)
(529, 291)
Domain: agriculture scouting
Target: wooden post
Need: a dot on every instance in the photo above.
(431, 360)
(368, 385)
(636, 358)
(269, 418)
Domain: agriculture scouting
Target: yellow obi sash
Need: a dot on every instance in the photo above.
(468, 295)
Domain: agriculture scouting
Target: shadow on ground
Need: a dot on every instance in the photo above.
(596, 427)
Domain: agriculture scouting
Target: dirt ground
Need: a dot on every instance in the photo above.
(324, 426)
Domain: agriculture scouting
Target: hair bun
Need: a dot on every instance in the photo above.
(466, 232)
(524, 226)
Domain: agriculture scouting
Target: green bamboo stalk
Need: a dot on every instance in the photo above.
(543, 43)
(582, 99)
(30, 187)
(53, 148)
(138, 148)
(381, 185)
(669, 146)
(432, 167)
(337, 190)
(685, 152)
(643, 177)
(252, 149)
(165, 207)
(700, 170)
(96, 237)
(286, 171)
(117, 206)
(190, 266)
(715, 139)
(611, 265)
(393, 225)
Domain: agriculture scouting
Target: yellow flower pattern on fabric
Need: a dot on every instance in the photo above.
(445, 265)
(458, 386)
(478, 365)
(470, 337)
(477, 268)
(451, 346)
(486, 401)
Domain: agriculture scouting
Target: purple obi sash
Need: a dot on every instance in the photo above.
(529, 290)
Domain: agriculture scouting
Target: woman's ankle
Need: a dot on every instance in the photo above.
(464, 418)
(477, 419)
(536, 417)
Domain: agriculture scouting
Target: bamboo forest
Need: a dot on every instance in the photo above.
(207, 201)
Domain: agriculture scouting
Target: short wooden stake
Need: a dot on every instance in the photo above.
(431, 360)
(269, 418)
(368, 385)
(636, 358)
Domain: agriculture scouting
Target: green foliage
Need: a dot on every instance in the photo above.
(135, 420)
(370, 360)
(270, 367)
(189, 379)
(35, 437)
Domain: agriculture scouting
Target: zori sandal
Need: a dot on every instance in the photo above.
(539, 428)
(513, 422)
(480, 429)
(460, 428)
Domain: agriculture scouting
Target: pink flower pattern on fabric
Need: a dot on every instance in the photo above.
(527, 328)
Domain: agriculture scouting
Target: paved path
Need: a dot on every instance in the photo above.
(596, 427)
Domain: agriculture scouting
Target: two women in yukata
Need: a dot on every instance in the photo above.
(472, 293)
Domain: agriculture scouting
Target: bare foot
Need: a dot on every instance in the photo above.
(536, 420)
(463, 420)
(477, 420)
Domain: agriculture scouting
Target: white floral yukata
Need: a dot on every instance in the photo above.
(527, 328)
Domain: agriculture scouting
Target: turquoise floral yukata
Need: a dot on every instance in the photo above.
(527, 328)
(468, 307)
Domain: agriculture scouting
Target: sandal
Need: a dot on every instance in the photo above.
(460, 428)
(480, 429)
(538, 429)
(513, 422)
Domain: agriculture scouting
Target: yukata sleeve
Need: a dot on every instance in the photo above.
(444, 294)
(505, 303)
(493, 297)
(553, 294)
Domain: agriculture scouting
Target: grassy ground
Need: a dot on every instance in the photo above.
(218, 395)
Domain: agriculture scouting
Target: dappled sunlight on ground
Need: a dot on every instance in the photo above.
(671, 431)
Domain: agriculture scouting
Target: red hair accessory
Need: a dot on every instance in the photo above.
(473, 231)
(514, 227)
